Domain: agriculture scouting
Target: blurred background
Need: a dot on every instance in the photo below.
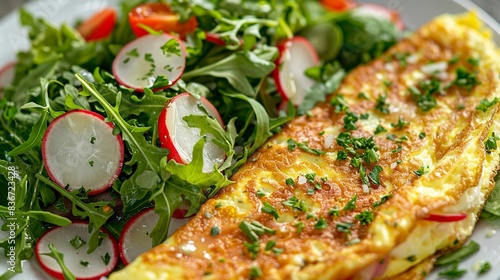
(490, 6)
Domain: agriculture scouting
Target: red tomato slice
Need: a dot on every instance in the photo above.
(159, 17)
(339, 5)
(98, 26)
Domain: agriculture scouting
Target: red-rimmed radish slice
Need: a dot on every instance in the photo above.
(296, 56)
(380, 267)
(141, 62)
(180, 139)
(381, 11)
(374, 270)
(135, 238)
(98, 26)
(80, 150)
(67, 241)
(445, 218)
(7, 73)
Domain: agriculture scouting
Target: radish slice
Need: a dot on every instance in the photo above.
(80, 150)
(180, 139)
(445, 218)
(135, 239)
(84, 266)
(374, 270)
(380, 267)
(141, 62)
(382, 12)
(296, 56)
(7, 74)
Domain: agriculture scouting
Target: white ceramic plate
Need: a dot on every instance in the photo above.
(414, 13)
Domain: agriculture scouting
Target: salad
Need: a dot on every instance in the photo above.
(137, 115)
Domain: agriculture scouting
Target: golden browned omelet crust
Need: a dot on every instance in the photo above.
(452, 155)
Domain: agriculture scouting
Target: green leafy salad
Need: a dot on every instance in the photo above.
(229, 57)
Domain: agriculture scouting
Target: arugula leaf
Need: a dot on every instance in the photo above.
(362, 44)
(223, 139)
(227, 29)
(192, 174)
(452, 272)
(491, 209)
(317, 93)
(59, 257)
(48, 217)
(25, 214)
(261, 132)
(24, 241)
(97, 212)
(458, 255)
(40, 126)
(35, 138)
(186, 181)
(145, 156)
(252, 64)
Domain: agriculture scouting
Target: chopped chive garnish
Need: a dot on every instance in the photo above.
(260, 193)
(255, 272)
(382, 200)
(269, 209)
(77, 242)
(343, 227)
(270, 244)
(351, 204)
(365, 217)
(214, 231)
(321, 224)
(335, 211)
(380, 129)
(422, 170)
(300, 226)
(253, 248)
(106, 258)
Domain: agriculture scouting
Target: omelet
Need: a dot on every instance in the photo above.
(390, 172)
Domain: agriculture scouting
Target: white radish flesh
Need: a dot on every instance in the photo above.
(83, 266)
(180, 139)
(80, 150)
(143, 60)
(296, 56)
(135, 238)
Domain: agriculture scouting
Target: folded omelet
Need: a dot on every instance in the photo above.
(361, 187)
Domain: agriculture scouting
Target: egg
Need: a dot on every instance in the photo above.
(359, 205)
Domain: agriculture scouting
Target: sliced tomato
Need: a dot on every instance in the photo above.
(98, 26)
(339, 5)
(445, 218)
(159, 17)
